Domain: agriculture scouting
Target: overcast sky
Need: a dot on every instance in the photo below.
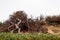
(31, 7)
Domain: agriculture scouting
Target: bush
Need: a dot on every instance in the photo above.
(53, 20)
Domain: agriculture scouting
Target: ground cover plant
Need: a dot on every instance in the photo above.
(28, 36)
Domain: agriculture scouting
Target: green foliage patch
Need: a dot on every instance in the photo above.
(28, 36)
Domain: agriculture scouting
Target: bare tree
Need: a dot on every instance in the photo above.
(17, 21)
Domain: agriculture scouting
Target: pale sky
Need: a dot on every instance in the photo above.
(31, 7)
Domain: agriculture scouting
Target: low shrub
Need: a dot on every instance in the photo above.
(28, 36)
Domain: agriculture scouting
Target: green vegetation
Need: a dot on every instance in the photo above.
(27, 36)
